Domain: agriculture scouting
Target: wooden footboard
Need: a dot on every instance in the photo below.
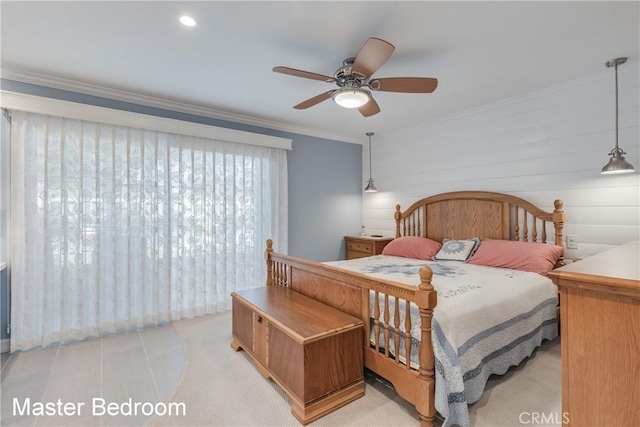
(351, 293)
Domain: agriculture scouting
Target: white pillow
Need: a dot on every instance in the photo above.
(457, 250)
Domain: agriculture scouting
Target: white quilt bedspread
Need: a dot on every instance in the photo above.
(486, 320)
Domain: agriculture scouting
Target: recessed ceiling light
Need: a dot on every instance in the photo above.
(188, 21)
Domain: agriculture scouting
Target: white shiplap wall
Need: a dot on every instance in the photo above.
(543, 146)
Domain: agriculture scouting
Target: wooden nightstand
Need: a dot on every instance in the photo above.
(363, 246)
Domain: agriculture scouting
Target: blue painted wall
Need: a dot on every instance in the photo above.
(325, 197)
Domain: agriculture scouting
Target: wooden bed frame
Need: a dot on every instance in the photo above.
(456, 215)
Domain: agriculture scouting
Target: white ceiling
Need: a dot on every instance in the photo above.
(481, 53)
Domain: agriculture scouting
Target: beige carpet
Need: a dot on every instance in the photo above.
(220, 387)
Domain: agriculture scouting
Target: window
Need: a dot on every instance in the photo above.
(117, 227)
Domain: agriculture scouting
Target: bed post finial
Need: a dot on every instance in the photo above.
(426, 274)
(267, 255)
(397, 216)
(427, 301)
(558, 223)
(558, 220)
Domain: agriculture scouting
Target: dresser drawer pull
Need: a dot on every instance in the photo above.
(259, 319)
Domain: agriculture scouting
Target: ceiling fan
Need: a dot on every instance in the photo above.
(355, 82)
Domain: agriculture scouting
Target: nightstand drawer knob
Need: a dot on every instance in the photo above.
(259, 319)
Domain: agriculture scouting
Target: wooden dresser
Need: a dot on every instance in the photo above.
(313, 351)
(600, 311)
(363, 246)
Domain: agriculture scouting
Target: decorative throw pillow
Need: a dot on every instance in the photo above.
(525, 256)
(457, 250)
(412, 247)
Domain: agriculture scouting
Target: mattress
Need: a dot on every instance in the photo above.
(486, 320)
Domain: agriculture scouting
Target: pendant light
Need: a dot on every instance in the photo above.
(371, 187)
(617, 163)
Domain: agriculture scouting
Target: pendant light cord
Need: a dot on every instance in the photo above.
(614, 63)
(369, 134)
(369, 156)
(616, 70)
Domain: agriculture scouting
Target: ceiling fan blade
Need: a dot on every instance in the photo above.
(305, 74)
(404, 84)
(315, 100)
(373, 54)
(370, 108)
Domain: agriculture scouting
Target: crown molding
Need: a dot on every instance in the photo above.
(165, 104)
(74, 110)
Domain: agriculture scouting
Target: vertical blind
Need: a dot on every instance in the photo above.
(116, 228)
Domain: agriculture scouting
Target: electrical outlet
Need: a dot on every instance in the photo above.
(572, 241)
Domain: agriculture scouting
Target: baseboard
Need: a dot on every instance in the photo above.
(4, 345)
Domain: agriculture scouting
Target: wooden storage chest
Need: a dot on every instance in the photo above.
(313, 351)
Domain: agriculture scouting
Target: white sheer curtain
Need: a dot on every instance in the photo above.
(115, 228)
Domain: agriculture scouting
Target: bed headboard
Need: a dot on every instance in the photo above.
(483, 214)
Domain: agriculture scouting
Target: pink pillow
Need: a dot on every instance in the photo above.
(525, 256)
(412, 247)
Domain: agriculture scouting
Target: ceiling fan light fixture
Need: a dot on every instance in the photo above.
(351, 97)
(355, 75)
